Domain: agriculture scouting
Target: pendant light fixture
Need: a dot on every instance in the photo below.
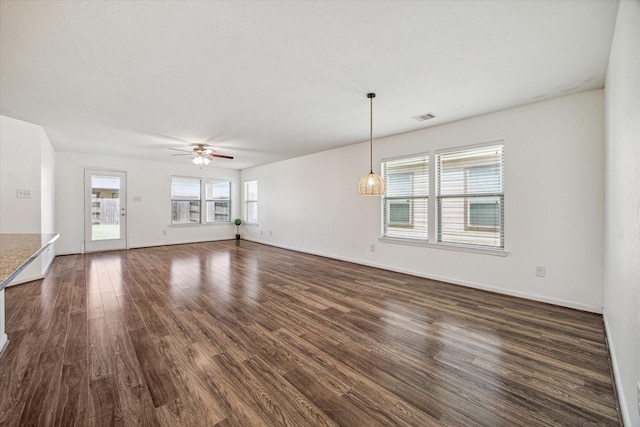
(371, 184)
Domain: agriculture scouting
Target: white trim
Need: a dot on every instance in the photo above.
(407, 156)
(4, 341)
(449, 247)
(470, 147)
(474, 285)
(26, 279)
(622, 402)
(200, 224)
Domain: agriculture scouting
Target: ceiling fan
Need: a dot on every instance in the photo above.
(201, 154)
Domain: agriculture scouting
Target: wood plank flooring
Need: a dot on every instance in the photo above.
(226, 334)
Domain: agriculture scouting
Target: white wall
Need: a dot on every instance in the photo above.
(148, 218)
(622, 216)
(554, 195)
(27, 161)
(20, 146)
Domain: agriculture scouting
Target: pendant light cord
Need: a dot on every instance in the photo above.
(371, 133)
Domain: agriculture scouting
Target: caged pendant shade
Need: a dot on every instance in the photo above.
(371, 184)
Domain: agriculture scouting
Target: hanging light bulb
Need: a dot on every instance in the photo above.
(198, 160)
(371, 184)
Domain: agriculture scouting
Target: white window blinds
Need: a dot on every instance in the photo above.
(405, 202)
(470, 196)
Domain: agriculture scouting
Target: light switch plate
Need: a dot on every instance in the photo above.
(24, 194)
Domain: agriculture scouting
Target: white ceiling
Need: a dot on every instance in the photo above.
(265, 81)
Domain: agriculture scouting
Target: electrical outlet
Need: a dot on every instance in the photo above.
(541, 271)
(372, 248)
(164, 232)
(261, 232)
(638, 396)
(270, 233)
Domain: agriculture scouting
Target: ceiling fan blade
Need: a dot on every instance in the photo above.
(185, 154)
(221, 156)
(177, 149)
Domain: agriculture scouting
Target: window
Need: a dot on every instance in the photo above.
(190, 195)
(185, 200)
(405, 202)
(251, 202)
(218, 198)
(470, 196)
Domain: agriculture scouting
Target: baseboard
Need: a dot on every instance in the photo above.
(626, 418)
(4, 340)
(474, 285)
(149, 245)
(26, 279)
(155, 245)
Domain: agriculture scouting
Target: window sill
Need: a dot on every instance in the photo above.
(199, 224)
(445, 246)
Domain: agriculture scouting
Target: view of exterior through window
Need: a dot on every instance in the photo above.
(189, 195)
(251, 202)
(218, 201)
(185, 200)
(469, 203)
(105, 207)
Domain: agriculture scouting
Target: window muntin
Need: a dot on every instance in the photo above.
(251, 202)
(470, 196)
(405, 202)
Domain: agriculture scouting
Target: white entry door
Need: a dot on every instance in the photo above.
(105, 210)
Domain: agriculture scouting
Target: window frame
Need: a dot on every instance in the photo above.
(188, 200)
(417, 168)
(201, 202)
(433, 215)
(466, 194)
(247, 201)
(215, 200)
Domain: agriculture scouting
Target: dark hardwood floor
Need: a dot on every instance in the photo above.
(250, 335)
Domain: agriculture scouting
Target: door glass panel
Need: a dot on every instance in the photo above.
(105, 207)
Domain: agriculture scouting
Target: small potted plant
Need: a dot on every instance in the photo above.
(238, 223)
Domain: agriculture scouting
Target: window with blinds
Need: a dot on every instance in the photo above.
(405, 202)
(470, 196)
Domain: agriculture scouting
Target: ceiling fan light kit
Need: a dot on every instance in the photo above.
(200, 160)
(201, 154)
(371, 184)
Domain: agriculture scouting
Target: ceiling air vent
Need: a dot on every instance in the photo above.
(423, 117)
